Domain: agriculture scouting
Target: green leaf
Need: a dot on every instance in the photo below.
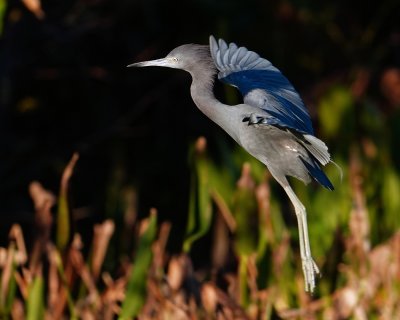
(334, 111)
(63, 213)
(390, 199)
(12, 290)
(63, 227)
(243, 288)
(245, 212)
(136, 289)
(200, 202)
(35, 303)
(3, 7)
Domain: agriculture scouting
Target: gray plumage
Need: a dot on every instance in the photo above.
(272, 124)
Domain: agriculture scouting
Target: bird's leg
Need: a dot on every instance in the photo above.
(310, 268)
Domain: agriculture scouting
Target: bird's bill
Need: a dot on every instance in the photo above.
(152, 63)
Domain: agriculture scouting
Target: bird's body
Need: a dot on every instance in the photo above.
(272, 124)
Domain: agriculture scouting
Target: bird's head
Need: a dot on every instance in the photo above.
(188, 57)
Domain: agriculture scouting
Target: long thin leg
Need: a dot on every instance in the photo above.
(310, 268)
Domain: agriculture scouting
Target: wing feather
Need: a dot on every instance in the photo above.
(236, 55)
(261, 84)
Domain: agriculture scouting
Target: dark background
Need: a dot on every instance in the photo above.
(64, 87)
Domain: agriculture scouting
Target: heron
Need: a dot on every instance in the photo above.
(272, 124)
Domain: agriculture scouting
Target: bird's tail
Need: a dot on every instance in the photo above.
(317, 148)
(315, 171)
(319, 151)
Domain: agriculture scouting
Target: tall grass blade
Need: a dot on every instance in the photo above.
(35, 303)
(3, 7)
(136, 292)
(200, 203)
(63, 214)
(56, 257)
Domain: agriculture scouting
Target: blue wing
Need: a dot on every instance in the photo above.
(262, 85)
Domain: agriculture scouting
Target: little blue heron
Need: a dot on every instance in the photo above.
(273, 124)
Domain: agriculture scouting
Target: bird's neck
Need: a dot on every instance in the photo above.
(203, 96)
(202, 89)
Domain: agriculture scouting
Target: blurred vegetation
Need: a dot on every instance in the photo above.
(220, 241)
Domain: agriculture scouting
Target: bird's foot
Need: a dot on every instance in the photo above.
(310, 271)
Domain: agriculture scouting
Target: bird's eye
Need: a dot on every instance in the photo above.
(175, 59)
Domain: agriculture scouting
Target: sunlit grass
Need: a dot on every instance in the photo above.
(268, 279)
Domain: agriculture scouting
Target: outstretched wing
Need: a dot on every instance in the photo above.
(262, 85)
